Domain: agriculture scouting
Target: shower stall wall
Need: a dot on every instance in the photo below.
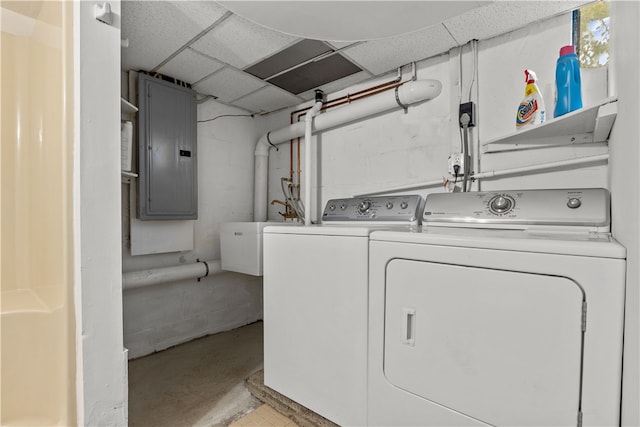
(37, 323)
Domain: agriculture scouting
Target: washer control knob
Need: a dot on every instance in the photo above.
(574, 203)
(500, 204)
(389, 205)
(364, 206)
(343, 206)
(404, 205)
(332, 207)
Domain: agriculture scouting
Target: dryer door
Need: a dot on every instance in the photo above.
(501, 346)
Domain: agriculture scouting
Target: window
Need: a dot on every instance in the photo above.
(591, 25)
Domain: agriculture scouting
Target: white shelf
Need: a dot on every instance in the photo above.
(126, 107)
(588, 124)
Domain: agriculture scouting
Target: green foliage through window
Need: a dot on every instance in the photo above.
(593, 42)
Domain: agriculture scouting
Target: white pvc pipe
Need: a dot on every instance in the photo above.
(409, 187)
(308, 120)
(494, 173)
(540, 167)
(156, 276)
(407, 94)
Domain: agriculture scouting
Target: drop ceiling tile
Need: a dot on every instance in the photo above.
(380, 56)
(229, 84)
(155, 29)
(267, 99)
(190, 66)
(201, 13)
(504, 16)
(240, 43)
(291, 56)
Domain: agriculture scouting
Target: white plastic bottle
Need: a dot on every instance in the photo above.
(531, 110)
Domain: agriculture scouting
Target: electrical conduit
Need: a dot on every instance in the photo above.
(408, 93)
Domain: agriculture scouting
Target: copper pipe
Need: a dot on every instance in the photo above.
(329, 103)
(352, 99)
(346, 99)
(366, 90)
(368, 95)
(299, 170)
(290, 156)
(290, 162)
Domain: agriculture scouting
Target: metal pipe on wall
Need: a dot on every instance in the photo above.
(156, 276)
(408, 93)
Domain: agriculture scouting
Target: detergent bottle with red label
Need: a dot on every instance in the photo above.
(531, 110)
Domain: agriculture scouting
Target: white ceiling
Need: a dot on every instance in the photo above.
(207, 45)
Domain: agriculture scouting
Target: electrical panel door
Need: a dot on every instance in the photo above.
(167, 184)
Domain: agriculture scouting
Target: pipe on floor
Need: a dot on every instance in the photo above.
(156, 276)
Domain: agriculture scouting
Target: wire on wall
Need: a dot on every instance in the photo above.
(465, 120)
(225, 115)
(474, 56)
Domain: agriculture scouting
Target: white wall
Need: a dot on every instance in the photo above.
(161, 316)
(101, 360)
(397, 149)
(625, 180)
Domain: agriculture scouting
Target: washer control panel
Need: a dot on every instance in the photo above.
(567, 207)
(401, 209)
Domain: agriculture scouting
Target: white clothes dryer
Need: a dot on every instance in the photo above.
(506, 309)
(315, 304)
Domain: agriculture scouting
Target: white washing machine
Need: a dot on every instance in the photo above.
(315, 304)
(505, 310)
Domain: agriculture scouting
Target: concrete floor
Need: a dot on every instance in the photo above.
(200, 383)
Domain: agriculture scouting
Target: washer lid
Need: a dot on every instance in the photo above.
(600, 245)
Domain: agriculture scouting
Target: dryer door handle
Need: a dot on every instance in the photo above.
(408, 326)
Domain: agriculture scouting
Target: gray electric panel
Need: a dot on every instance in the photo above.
(167, 151)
